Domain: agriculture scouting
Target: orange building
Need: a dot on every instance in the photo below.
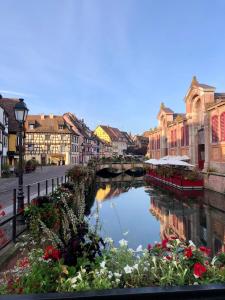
(198, 133)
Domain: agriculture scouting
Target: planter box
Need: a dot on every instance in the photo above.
(195, 292)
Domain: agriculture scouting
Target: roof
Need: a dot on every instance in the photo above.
(195, 82)
(8, 105)
(141, 138)
(79, 125)
(127, 137)
(46, 124)
(114, 133)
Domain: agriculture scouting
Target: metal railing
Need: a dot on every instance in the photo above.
(12, 226)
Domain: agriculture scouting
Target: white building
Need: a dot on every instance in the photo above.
(3, 138)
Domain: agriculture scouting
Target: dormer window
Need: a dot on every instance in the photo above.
(31, 126)
(61, 126)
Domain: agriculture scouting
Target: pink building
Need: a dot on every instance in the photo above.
(199, 133)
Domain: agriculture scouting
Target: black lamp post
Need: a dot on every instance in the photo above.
(21, 111)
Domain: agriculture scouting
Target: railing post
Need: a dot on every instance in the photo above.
(52, 185)
(14, 217)
(38, 185)
(46, 187)
(28, 194)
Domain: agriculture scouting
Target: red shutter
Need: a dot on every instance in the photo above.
(214, 129)
(222, 126)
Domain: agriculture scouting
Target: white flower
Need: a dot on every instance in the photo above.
(126, 232)
(110, 274)
(192, 244)
(128, 269)
(102, 264)
(118, 275)
(73, 280)
(108, 240)
(117, 280)
(145, 269)
(123, 242)
(135, 266)
(131, 250)
(139, 248)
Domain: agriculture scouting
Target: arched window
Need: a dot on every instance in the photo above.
(222, 126)
(182, 136)
(214, 129)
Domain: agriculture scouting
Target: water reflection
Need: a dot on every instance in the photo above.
(146, 212)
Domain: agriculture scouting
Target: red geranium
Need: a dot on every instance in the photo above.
(205, 250)
(24, 263)
(52, 253)
(199, 269)
(164, 243)
(188, 252)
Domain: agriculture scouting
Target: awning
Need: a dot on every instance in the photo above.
(177, 157)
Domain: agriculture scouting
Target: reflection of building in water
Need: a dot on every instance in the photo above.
(202, 221)
(108, 191)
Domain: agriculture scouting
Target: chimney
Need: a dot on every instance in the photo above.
(42, 116)
(51, 116)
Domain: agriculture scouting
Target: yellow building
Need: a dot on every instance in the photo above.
(113, 136)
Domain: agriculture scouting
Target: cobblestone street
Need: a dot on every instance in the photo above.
(8, 184)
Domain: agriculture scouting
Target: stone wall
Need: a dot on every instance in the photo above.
(215, 182)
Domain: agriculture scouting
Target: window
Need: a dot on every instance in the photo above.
(187, 135)
(31, 126)
(182, 136)
(214, 129)
(61, 126)
(175, 137)
(222, 126)
(171, 138)
(47, 137)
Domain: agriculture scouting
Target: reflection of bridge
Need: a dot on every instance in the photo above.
(120, 178)
(120, 167)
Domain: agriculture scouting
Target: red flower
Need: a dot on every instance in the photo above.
(188, 252)
(2, 213)
(164, 243)
(168, 257)
(149, 247)
(24, 263)
(205, 250)
(52, 253)
(199, 269)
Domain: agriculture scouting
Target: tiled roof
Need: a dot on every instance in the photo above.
(8, 105)
(114, 133)
(219, 96)
(46, 124)
(80, 126)
(127, 137)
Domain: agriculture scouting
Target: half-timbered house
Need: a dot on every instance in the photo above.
(50, 140)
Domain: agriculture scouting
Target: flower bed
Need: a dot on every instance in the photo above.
(69, 256)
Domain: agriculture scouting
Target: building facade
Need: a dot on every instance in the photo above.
(114, 137)
(50, 140)
(199, 133)
(3, 138)
(8, 105)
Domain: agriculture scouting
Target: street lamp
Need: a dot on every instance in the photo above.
(21, 111)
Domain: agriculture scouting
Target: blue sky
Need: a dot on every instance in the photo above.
(110, 61)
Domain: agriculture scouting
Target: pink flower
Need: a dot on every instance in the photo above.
(149, 247)
(2, 213)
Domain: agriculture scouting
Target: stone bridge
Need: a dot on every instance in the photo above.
(117, 167)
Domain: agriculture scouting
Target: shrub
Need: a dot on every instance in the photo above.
(6, 170)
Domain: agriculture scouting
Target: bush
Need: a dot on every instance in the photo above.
(6, 170)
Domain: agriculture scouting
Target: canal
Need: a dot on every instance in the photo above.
(144, 212)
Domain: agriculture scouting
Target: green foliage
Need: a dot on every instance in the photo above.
(6, 170)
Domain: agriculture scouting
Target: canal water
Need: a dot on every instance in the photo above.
(144, 212)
